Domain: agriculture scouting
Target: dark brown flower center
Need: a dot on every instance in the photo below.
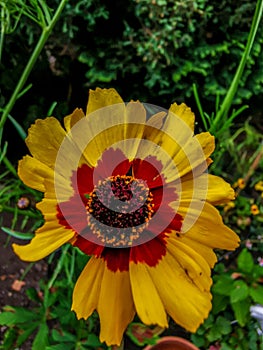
(119, 209)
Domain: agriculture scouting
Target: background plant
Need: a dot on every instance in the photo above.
(154, 51)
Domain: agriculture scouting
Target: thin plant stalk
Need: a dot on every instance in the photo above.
(2, 33)
(40, 44)
(227, 102)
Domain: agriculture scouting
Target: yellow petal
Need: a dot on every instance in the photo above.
(48, 238)
(72, 119)
(44, 140)
(135, 119)
(195, 266)
(206, 252)
(219, 191)
(184, 112)
(33, 173)
(48, 207)
(87, 288)
(147, 301)
(100, 98)
(114, 126)
(206, 187)
(115, 306)
(209, 228)
(194, 154)
(183, 300)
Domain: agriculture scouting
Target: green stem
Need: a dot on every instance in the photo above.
(223, 112)
(2, 34)
(22, 212)
(27, 269)
(41, 42)
(9, 166)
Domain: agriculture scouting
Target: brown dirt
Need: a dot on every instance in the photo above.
(12, 269)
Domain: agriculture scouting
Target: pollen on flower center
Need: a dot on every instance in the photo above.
(119, 209)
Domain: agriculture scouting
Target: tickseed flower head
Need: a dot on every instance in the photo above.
(128, 185)
(254, 209)
(241, 183)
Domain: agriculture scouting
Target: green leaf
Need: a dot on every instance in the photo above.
(9, 339)
(224, 346)
(24, 334)
(220, 303)
(223, 325)
(41, 340)
(63, 336)
(224, 285)
(245, 261)
(61, 347)
(213, 334)
(15, 315)
(257, 272)
(141, 334)
(256, 293)
(241, 310)
(240, 292)
(16, 234)
(33, 294)
(18, 127)
(197, 340)
(92, 341)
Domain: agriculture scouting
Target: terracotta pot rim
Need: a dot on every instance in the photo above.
(175, 340)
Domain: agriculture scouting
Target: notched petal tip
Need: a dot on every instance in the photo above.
(100, 98)
(184, 112)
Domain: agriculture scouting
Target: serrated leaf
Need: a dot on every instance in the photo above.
(256, 293)
(223, 325)
(16, 315)
(213, 334)
(245, 261)
(241, 311)
(41, 340)
(240, 292)
(223, 286)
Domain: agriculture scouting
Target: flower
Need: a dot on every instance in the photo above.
(254, 209)
(240, 183)
(228, 206)
(259, 186)
(132, 192)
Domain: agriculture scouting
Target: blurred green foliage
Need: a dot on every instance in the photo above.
(152, 50)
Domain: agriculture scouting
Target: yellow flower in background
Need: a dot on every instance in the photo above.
(259, 186)
(254, 209)
(128, 185)
(228, 206)
(241, 183)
